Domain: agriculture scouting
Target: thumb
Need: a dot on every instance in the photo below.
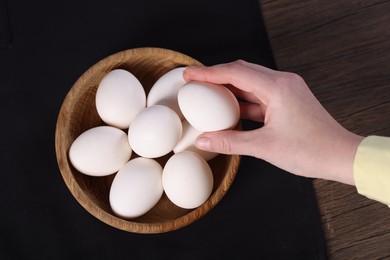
(226, 142)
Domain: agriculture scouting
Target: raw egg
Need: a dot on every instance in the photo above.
(119, 98)
(165, 89)
(136, 188)
(208, 107)
(100, 151)
(187, 179)
(155, 131)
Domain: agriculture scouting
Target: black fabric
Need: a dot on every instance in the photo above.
(5, 33)
(267, 213)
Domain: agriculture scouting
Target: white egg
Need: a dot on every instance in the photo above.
(187, 142)
(208, 107)
(136, 188)
(100, 151)
(155, 131)
(187, 179)
(119, 98)
(165, 89)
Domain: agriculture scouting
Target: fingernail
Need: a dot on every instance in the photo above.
(185, 74)
(203, 143)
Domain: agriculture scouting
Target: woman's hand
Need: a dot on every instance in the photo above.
(298, 135)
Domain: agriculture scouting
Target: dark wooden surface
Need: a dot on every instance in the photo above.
(342, 49)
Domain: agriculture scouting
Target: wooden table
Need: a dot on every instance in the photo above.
(342, 49)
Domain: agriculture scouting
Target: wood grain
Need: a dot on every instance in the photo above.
(78, 113)
(342, 50)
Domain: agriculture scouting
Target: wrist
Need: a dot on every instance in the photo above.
(345, 157)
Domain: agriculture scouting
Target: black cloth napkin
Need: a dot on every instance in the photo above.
(5, 33)
(267, 213)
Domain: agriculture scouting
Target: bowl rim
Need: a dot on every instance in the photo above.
(81, 195)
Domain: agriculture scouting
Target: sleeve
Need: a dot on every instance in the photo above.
(372, 168)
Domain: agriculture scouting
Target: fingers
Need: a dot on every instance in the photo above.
(247, 77)
(257, 67)
(227, 142)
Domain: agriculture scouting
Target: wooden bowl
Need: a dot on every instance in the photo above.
(78, 114)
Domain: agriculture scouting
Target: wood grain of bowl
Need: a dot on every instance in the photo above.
(78, 114)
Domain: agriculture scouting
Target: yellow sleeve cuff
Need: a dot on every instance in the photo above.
(372, 168)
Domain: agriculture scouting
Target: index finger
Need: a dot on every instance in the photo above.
(251, 78)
